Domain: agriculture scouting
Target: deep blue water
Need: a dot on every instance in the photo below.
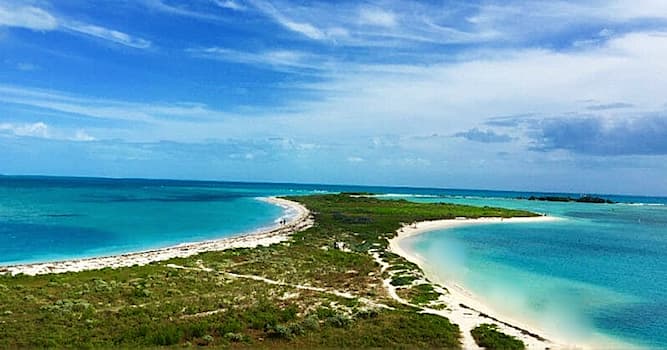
(603, 269)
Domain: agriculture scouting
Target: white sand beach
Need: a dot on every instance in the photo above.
(297, 218)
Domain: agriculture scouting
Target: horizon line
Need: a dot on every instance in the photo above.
(325, 184)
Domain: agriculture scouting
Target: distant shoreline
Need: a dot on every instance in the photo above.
(467, 310)
(297, 218)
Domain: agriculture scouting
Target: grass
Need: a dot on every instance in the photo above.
(487, 336)
(158, 306)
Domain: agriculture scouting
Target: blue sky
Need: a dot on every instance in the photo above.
(539, 95)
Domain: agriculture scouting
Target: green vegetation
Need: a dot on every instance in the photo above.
(421, 294)
(218, 300)
(487, 336)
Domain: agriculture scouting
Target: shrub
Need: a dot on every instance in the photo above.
(339, 321)
(286, 332)
(166, 335)
(324, 313)
(207, 339)
(487, 336)
(234, 337)
(197, 329)
(142, 293)
(262, 318)
(423, 294)
(266, 315)
(296, 329)
(366, 313)
(311, 323)
(402, 280)
(230, 325)
(281, 331)
(289, 313)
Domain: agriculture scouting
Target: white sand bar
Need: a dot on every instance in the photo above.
(297, 218)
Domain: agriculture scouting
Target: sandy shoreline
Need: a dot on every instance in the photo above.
(297, 216)
(464, 308)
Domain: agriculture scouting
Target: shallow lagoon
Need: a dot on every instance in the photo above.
(599, 272)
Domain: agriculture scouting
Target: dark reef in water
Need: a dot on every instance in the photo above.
(582, 199)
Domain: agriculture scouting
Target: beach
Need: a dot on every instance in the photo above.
(296, 217)
(466, 309)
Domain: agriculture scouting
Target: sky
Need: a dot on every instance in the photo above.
(517, 95)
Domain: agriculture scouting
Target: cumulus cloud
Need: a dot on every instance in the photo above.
(484, 136)
(38, 129)
(82, 135)
(44, 131)
(604, 137)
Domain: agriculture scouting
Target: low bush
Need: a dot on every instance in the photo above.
(402, 280)
(487, 336)
(166, 335)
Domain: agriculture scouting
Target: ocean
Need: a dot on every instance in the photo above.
(601, 271)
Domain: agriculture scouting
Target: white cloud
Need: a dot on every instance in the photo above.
(303, 28)
(348, 24)
(38, 129)
(451, 97)
(230, 4)
(355, 159)
(44, 131)
(82, 135)
(377, 17)
(38, 19)
(278, 59)
(108, 34)
(417, 99)
(107, 109)
(365, 101)
(633, 9)
(27, 17)
(541, 19)
(181, 9)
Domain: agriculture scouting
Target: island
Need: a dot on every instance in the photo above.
(328, 279)
(582, 199)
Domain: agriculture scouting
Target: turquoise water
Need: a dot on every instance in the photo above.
(51, 219)
(600, 270)
(603, 269)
